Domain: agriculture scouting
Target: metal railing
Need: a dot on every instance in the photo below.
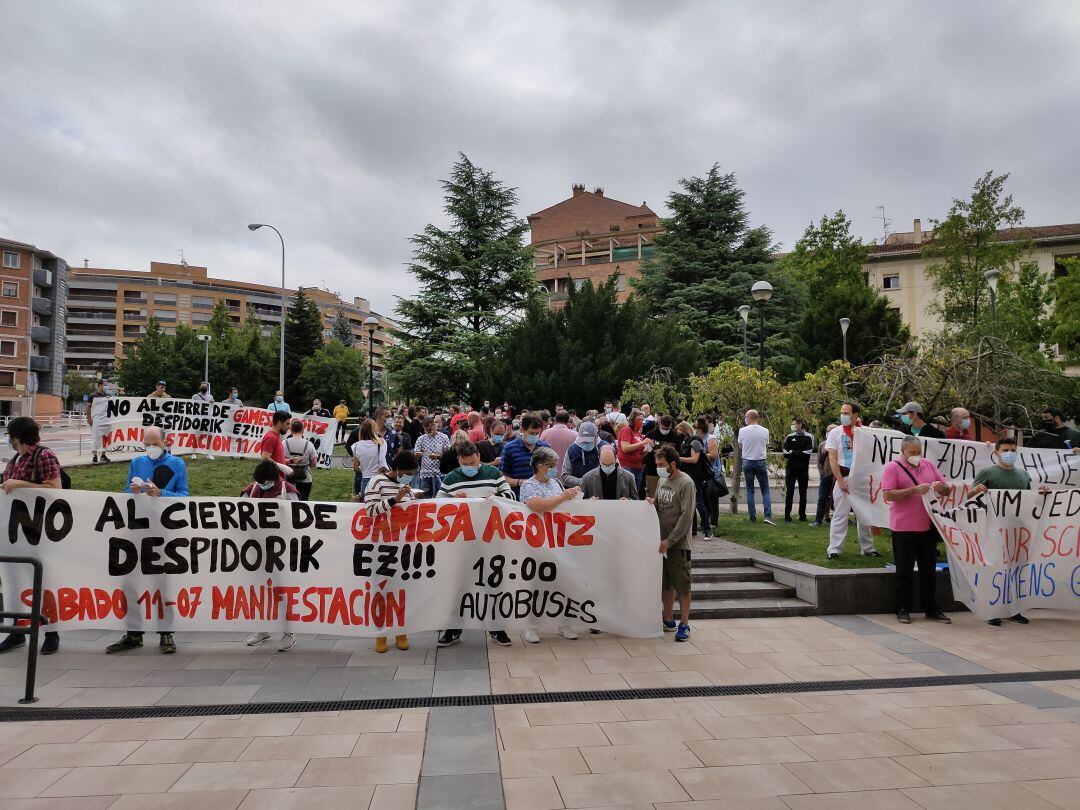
(33, 616)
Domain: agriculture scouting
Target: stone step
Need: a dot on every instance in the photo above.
(749, 608)
(743, 590)
(734, 573)
(721, 562)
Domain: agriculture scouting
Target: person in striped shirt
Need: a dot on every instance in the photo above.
(473, 480)
(385, 490)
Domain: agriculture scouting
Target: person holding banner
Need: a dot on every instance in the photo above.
(233, 399)
(542, 493)
(385, 490)
(159, 391)
(272, 448)
(841, 445)
(96, 433)
(914, 539)
(32, 466)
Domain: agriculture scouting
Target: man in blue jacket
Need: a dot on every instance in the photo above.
(158, 474)
(516, 462)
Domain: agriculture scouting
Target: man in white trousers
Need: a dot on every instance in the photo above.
(840, 443)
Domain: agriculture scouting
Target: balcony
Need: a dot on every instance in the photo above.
(42, 306)
(43, 277)
(40, 363)
(81, 315)
(41, 334)
(101, 337)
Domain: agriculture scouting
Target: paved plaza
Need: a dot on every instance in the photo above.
(999, 745)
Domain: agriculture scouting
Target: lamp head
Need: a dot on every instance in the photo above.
(371, 323)
(761, 291)
(992, 275)
(744, 312)
(254, 226)
(844, 324)
(204, 338)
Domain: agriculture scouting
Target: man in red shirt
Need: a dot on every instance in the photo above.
(959, 425)
(272, 447)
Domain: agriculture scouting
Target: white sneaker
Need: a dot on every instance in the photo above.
(255, 639)
(530, 636)
(287, 642)
(211, 458)
(568, 632)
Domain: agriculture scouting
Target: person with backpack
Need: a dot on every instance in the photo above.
(696, 464)
(302, 458)
(37, 467)
(158, 474)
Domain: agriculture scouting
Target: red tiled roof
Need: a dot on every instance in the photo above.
(597, 201)
(1034, 233)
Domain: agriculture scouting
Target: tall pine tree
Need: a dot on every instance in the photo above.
(706, 261)
(475, 279)
(303, 337)
(342, 328)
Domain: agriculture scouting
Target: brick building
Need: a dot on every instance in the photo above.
(33, 298)
(108, 309)
(590, 236)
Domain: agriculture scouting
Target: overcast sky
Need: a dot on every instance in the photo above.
(131, 130)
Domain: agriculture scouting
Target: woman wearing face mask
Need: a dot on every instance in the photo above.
(542, 493)
(369, 457)
(914, 539)
(384, 491)
(268, 483)
(449, 461)
(632, 447)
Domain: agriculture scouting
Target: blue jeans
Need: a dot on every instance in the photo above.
(639, 478)
(759, 472)
(429, 485)
(360, 484)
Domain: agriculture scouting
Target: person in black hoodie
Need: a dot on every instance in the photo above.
(798, 449)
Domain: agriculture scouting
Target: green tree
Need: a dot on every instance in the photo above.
(965, 245)
(185, 368)
(827, 261)
(145, 362)
(78, 386)
(1022, 313)
(475, 278)
(342, 328)
(334, 372)
(1065, 323)
(303, 337)
(253, 363)
(705, 263)
(661, 389)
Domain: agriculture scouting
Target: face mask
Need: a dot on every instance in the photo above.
(405, 479)
(796, 429)
(608, 469)
(845, 419)
(965, 424)
(154, 452)
(279, 399)
(267, 486)
(389, 424)
(530, 439)
(586, 444)
(662, 473)
(906, 420)
(914, 460)
(469, 472)
(1008, 458)
(203, 389)
(551, 473)
(607, 410)
(497, 438)
(1048, 424)
(234, 395)
(665, 431)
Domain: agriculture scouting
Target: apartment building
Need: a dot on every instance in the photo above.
(33, 300)
(589, 236)
(108, 309)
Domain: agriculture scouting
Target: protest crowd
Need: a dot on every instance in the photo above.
(677, 462)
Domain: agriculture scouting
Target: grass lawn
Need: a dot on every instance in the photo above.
(802, 542)
(220, 477)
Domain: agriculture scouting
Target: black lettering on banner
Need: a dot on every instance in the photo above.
(361, 559)
(304, 515)
(56, 520)
(112, 515)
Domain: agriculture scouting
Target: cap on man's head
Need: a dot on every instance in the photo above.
(910, 407)
(587, 430)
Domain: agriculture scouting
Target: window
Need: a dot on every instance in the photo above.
(167, 300)
(165, 315)
(9, 317)
(7, 348)
(11, 289)
(199, 319)
(202, 302)
(12, 259)
(7, 379)
(891, 282)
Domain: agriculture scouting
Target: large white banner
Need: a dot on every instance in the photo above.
(1012, 550)
(137, 562)
(958, 462)
(193, 426)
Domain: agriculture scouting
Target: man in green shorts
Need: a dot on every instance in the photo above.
(675, 499)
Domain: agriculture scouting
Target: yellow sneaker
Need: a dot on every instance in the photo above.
(402, 642)
(380, 644)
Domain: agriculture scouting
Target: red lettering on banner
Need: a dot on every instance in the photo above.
(361, 524)
(512, 525)
(972, 548)
(425, 519)
(875, 491)
(1016, 539)
(1059, 538)
(582, 536)
(494, 525)
(82, 604)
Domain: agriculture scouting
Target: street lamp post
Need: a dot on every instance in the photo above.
(206, 360)
(371, 323)
(992, 275)
(761, 292)
(744, 313)
(844, 324)
(281, 353)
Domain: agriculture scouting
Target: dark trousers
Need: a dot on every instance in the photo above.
(702, 505)
(909, 548)
(342, 431)
(796, 474)
(823, 494)
(304, 488)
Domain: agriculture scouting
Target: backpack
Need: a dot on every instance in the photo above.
(715, 469)
(65, 479)
(299, 470)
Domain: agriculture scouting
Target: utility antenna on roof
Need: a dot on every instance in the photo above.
(180, 253)
(885, 223)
